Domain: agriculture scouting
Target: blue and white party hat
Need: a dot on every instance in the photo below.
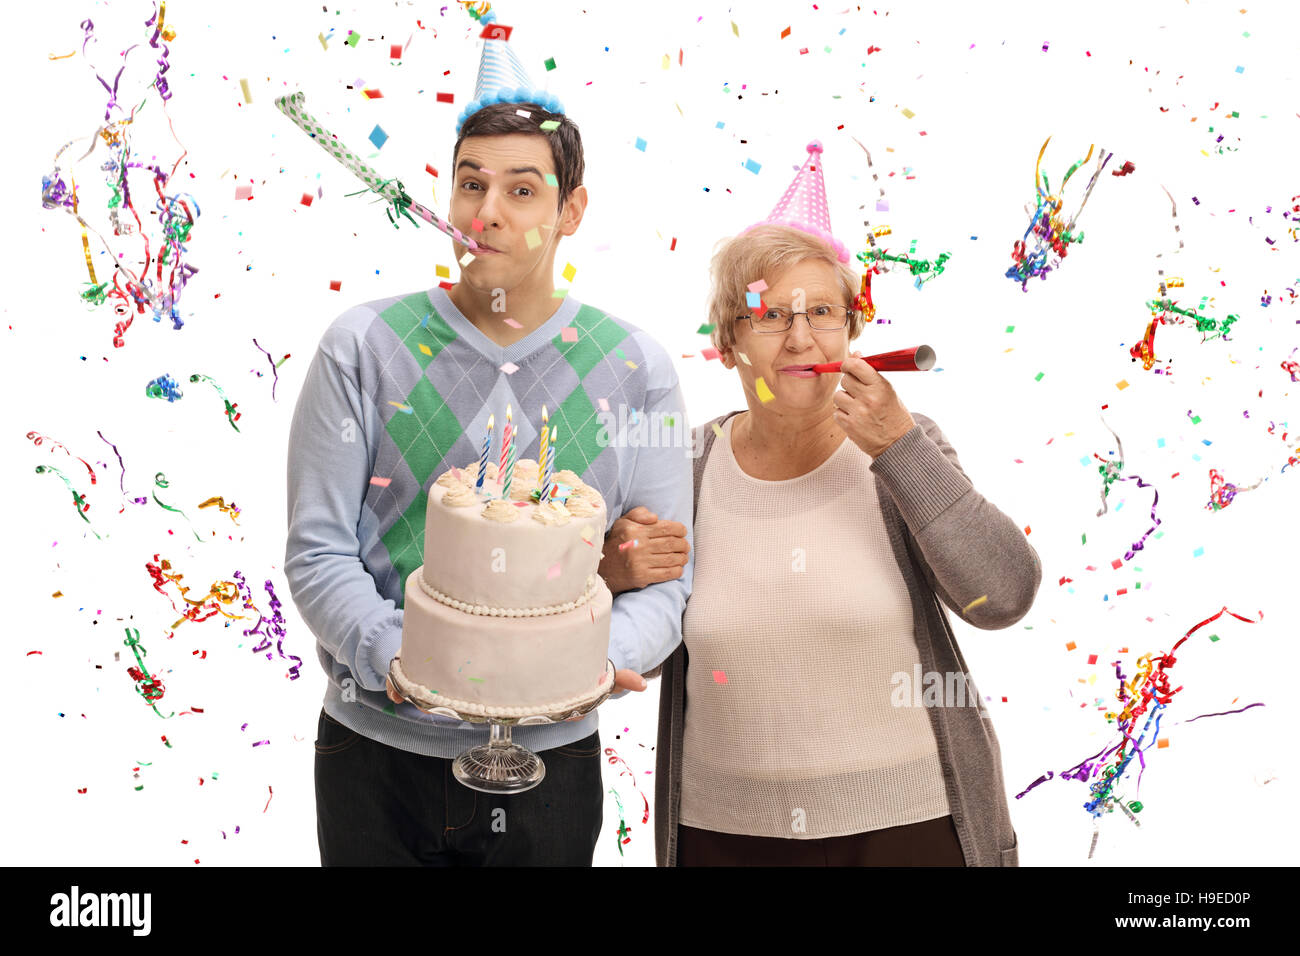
(501, 77)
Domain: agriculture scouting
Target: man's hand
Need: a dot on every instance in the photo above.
(393, 695)
(659, 553)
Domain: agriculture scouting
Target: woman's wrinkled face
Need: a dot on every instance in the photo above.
(780, 359)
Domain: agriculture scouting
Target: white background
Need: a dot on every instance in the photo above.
(986, 95)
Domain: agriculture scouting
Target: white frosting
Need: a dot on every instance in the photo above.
(459, 496)
(502, 511)
(449, 480)
(580, 507)
(505, 666)
(551, 513)
(508, 563)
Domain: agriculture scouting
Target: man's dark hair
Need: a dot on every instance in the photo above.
(500, 119)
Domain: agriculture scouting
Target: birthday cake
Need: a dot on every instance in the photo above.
(507, 616)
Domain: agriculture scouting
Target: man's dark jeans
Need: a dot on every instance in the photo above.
(380, 806)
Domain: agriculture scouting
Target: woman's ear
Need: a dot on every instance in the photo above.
(727, 357)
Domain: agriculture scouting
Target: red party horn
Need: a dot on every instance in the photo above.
(917, 359)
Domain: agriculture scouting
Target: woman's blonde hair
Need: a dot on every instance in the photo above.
(762, 252)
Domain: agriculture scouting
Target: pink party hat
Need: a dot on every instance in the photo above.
(803, 206)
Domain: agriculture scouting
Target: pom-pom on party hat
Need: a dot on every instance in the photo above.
(803, 206)
(501, 77)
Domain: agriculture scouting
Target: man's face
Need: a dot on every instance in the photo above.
(502, 201)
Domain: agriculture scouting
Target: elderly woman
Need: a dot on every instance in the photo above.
(793, 725)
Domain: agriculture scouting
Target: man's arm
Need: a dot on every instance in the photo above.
(329, 472)
(646, 624)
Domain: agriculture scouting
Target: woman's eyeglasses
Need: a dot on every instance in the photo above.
(821, 318)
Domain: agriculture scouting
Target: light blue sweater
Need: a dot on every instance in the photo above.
(400, 389)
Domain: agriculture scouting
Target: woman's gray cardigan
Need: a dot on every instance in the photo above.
(947, 539)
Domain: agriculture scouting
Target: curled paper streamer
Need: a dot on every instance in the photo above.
(146, 685)
(176, 214)
(160, 481)
(231, 509)
(274, 626)
(275, 366)
(231, 415)
(1148, 693)
(78, 499)
(164, 386)
(1051, 233)
(38, 439)
(392, 190)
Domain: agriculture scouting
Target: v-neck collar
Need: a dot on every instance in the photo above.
(500, 354)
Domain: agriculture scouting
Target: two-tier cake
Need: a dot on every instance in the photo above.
(507, 616)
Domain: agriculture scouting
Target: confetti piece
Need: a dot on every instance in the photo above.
(982, 599)
(476, 224)
(446, 98)
(764, 393)
(1121, 385)
(551, 180)
(243, 192)
(752, 166)
(549, 125)
(553, 571)
(243, 85)
(744, 358)
(705, 329)
(908, 113)
(372, 94)
(640, 144)
(603, 403)
(381, 482)
(568, 334)
(719, 677)
(628, 544)
(510, 368)
(550, 63)
(709, 353)
(758, 285)
(378, 137)
(1070, 646)
(512, 323)
(569, 272)
(443, 272)
(533, 238)
(753, 300)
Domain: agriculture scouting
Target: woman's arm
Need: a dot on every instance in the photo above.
(970, 549)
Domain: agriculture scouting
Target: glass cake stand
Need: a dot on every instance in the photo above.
(500, 765)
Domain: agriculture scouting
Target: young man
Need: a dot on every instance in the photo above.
(385, 793)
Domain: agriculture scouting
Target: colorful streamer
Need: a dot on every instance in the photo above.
(1147, 694)
(1052, 235)
(176, 213)
(146, 685)
(231, 415)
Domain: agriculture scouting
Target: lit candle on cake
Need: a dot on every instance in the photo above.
(510, 472)
(487, 447)
(541, 451)
(505, 447)
(549, 467)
